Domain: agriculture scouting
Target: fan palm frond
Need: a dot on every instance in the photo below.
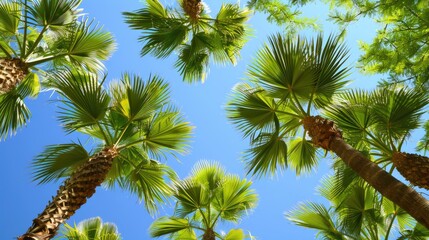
(58, 161)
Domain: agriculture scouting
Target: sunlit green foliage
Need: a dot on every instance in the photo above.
(197, 42)
(207, 197)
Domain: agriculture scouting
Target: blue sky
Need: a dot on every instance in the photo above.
(215, 138)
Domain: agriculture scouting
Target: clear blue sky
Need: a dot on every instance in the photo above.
(214, 139)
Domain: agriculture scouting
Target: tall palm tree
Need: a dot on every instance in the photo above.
(293, 78)
(192, 33)
(91, 229)
(356, 212)
(133, 122)
(38, 36)
(205, 198)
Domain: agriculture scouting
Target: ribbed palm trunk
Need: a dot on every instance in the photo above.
(71, 195)
(209, 234)
(12, 72)
(324, 134)
(193, 8)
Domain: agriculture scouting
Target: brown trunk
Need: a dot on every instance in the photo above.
(71, 195)
(193, 8)
(413, 167)
(209, 234)
(326, 135)
(12, 72)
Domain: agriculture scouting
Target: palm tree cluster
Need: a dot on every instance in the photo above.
(292, 108)
(356, 211)
(292, 80)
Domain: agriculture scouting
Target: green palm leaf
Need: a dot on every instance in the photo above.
(169, 225)
(208, 174)
(193, 60)
(138, 100)
(251, 109)
(350, 110)
(316, 216)
(14, 112)
(146, 180)
(267, 155)
(398, 111)
(191, 195)
(58, 161)
(281, 68)
(302, 155)
(10, 13)
(423, 144)
(418, 233)
(86, 45)
(328, 59)
(85, 101)
(166, 131)
(54, 13)
(91, 229)
(235, 198)
(235, 234)
(230, 26)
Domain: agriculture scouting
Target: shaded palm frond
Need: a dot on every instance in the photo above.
(302, 155)
(267, 155)
(14, 112)
(58, 161)
(250, 109)
(146, 180)
(167, 132)
(85, 101)
(138, 100)
(54, 13)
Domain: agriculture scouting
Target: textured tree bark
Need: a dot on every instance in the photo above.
(324, 134)
(12, 72)
(71, 196)
(209, 234)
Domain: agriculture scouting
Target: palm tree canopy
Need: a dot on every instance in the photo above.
(132, 115)
(287, 80)
(357, 211)
(196, 39)
(207, 196)
(40, 36)
(91, 229)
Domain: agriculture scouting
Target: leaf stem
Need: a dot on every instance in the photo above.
(45, 59)
(39, 38)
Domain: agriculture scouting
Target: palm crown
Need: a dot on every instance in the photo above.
(356, 211)
(133, 122)
(34, 36)
(292, 79)
(287, 81)
(194, 35)
(91, 229)
(203, 199)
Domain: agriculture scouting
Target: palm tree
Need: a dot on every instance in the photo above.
(192, 33)
(289, 81)
(38, 36)
(133, 122)
(356, 212)
(206, 197)
(91, 229)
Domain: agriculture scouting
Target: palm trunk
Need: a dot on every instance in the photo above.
(324, 134)
(12, 72)
(71, 196)
(209, 234)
